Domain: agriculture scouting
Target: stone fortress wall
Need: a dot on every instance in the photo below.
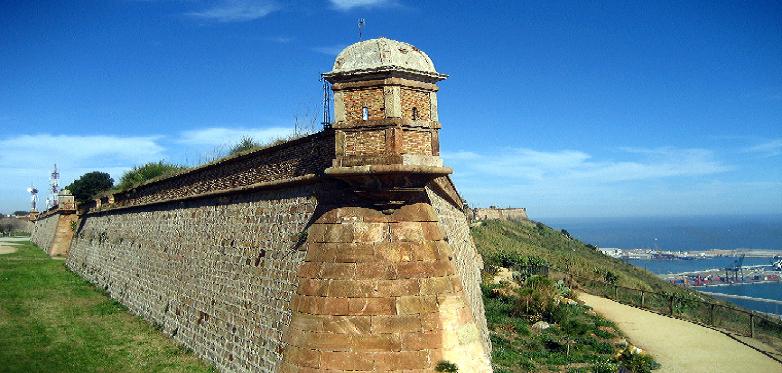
(216, 273)
(44, 230)
(305, 256)
(54, 228)
(495, 213)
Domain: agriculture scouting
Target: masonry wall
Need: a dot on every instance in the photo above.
(467, 262)
(217, 273)
(380, 292)
(414, 98)
(283, 269)
(371, 98)
(63, 233)
(44, 231)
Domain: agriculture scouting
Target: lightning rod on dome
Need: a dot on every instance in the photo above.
(362, 23)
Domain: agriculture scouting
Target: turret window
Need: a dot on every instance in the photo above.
(415, 113)
(365, 113)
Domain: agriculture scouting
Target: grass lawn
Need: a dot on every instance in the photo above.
(51, 320)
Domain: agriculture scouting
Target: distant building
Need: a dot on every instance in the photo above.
(495, 213)
(612, 252)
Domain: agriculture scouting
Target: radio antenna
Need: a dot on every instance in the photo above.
(362, 23)
(326, 103)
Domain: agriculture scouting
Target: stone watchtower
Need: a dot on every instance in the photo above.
(391, 278)
(385, 119)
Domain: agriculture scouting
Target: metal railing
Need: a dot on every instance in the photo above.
(690, 307)
(525, 271)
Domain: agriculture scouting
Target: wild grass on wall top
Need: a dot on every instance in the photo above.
(145, 173)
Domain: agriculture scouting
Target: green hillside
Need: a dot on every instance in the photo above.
(577, 340)
(529, 238)
(499, 240)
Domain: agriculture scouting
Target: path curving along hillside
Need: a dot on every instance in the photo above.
(681, 346)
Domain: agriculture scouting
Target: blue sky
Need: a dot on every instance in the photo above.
(571, 109)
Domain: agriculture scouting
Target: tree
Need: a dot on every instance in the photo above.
(90, 184)
(21, 213)
(140, 174)
(11, 225)
(5, 228)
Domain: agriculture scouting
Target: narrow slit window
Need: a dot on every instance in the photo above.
(365, 113)
(415, 113)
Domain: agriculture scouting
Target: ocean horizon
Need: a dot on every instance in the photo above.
(676, 232)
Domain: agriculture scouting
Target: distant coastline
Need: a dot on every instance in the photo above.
(736, 284)
(755, 233)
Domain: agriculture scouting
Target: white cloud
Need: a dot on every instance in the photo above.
(280, 39)
(769, 148)
(522, 163)
(350, 4)
(236, 10)
(28, 151)
(26, 159)
(223, 136)
(577, 183)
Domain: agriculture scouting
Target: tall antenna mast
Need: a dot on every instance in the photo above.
(54, 181)
(362, 23)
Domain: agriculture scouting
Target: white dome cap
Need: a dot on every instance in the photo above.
(383, 54)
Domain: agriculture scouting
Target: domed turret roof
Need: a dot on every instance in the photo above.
(382, 54)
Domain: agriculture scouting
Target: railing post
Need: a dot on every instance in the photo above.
(643, 299)
(616, 292)
(670, 305)
(711, 314)
(752, 325)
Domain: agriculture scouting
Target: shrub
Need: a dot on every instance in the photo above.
(636, 362)
(563, 289)
(508, 259)
(446, 366)
(604, 366)
(536, 298)
(610, 277)
(567, 316)
(514, 260)
(140, 174)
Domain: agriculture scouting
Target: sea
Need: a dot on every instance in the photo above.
(683, 233)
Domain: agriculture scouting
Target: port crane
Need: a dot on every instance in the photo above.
(735, 269)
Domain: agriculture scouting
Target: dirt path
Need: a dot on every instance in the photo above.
(680, 346)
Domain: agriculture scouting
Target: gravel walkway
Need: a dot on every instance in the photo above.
(680, 346)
